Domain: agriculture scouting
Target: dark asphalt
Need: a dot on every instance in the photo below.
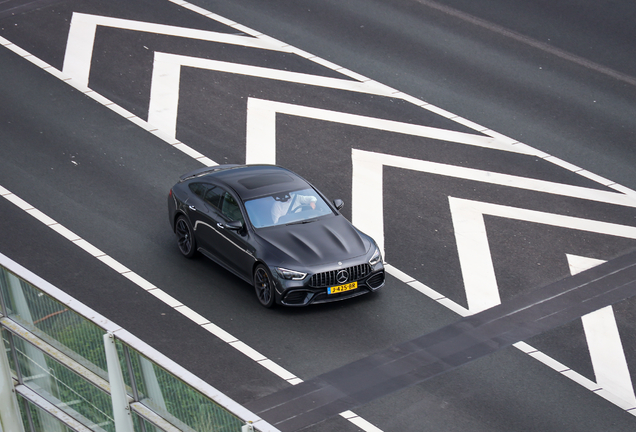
(450, 347)
(107, 180)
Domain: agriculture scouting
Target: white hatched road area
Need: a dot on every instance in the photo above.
(608, 359)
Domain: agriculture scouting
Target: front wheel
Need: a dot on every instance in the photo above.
(185, 239)
(264, 286)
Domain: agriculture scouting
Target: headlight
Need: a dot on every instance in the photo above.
(290, 274)
(376, 258)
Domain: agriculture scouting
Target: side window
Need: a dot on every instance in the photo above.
(213, 197)
(231, 209)
(198, 189)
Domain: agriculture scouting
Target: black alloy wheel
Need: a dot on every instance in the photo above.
(185, 240)
(264, 286)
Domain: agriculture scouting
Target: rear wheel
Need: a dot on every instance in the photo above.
(185, 239)
(264, 286)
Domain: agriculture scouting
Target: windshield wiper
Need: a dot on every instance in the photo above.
(302, 221)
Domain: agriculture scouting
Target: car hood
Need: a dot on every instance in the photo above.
(321, 241)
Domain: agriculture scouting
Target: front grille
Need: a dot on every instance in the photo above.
(328, 278)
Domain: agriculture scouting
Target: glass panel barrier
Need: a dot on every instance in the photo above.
(51, 320)
(173, 399)
(46, 327)
(40, 420)
(62, 387)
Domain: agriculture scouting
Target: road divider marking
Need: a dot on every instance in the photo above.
(367, 188)
(108, 104)
(81, 39)
(79, 67)
(150, 288)
(604, 342)
(166, 79)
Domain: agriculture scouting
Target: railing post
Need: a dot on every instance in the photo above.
(37, 360)
(9, 410)
(121, 409)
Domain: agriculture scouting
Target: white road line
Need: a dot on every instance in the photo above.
(607, 393)
(604, 342)
(367, 186)
(261, 129)
(81, 38)
(608, 355)
(166, 77)
(394, 93)
(151, 289)
(359, 421)
(474, 251)
(108, 103)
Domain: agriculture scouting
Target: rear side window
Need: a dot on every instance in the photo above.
(198, 189)
(213, 197)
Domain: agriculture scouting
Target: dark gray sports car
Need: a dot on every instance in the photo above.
(273, 229)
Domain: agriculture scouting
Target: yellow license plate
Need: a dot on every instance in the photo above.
(342, 288)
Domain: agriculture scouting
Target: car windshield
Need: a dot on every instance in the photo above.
(286, 207)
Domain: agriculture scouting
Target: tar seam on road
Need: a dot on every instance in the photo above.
(450, 347)
(530, 42)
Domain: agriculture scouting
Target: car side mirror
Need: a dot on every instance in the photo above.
(338, 203)
(236, 225)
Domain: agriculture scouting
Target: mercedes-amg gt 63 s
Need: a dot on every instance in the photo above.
(273, 229)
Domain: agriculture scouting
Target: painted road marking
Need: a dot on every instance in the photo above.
(604, 342)
(81, 39)
(261, 129)
(367, 186)
(474, 251)
(170, 139)
(149, 287)
(166, 75)
(108, 103)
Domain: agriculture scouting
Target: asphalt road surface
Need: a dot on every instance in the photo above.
(487, 146)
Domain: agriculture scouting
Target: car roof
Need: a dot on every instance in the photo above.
(253, 181)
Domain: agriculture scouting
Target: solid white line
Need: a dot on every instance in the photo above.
(109, 104)
(359, 421)
(158, 293)
(553, 219)
(608, 355)
(260, 137)
(480, 282)
(392, 92)
(491, 177)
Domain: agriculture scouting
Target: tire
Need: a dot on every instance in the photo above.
(185, 238)
(264, 286)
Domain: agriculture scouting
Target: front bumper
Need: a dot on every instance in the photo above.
(295, 294)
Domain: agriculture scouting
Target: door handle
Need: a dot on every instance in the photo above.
(193, 208)
(220, 225)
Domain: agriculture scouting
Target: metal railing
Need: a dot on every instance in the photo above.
(57, 366)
